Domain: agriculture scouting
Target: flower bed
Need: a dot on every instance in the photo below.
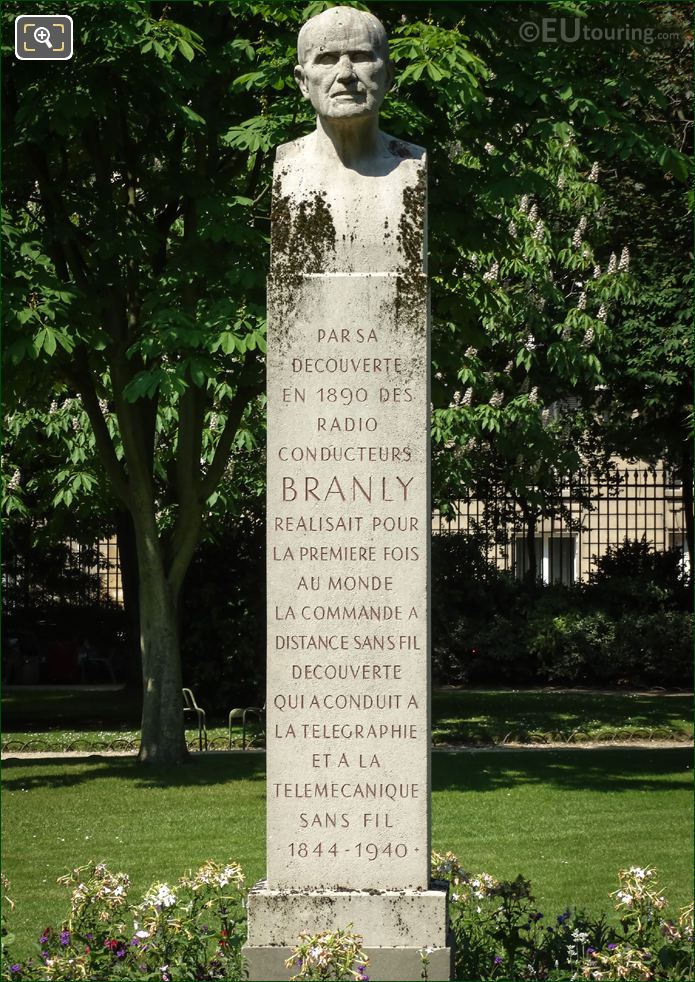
(194, 929)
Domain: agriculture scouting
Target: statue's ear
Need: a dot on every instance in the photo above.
(390, 75)
(301, 81)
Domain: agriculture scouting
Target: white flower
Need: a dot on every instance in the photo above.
(612, 264)
(538, 231)
(496, 400)
(576, 238)
(571, 951)
(512, 229)
(15, 481)
(625, 898)
(213, 421)
(488, 148)
(470, 352)
(533, 395)
(492, 273)
(581, 937)
(624, 263)
(467, 397)
(561, 181)
(76, 425)
(509, 368)
(533, 214)
(588, 337)
(638, 872)
(593, 175)
(53, 409)
(546, 417)
(523, 204)
(597, 272)
(454, 896)
(602, 313)
(142, 934)
(581, 303)
(530, 343)
(456, 400)
(582, 224)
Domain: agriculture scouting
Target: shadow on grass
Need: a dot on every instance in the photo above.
(598, 769)
(197, 771)
(559, 710)
(601, 769)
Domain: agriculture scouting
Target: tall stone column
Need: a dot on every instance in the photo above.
(348, 514)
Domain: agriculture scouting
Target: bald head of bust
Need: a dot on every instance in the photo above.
(344, 68)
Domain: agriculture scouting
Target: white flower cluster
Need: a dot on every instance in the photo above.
(76, 424)
(160, 896)
(581, 303)
(496, 399)
(214, 420)
(53, 408)
(14, 481)
(104, 406)
(509, 368)
(523, 204)
(533, 395)
(612, 264)
(624, 263)
(588, 337)
(602, 312)
(512, 229)
(576, 238)
(492, 273)
(533, 214)
(593, 174)
(546, 416)
(561, 182)
(467, 398)
(539, 230)
(582, 224)
(530, 344)
(489, 148)
(597, 272)
(470, 352)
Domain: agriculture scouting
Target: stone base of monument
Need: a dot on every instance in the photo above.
(394, 925)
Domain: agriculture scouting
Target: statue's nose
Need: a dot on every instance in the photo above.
(345, 68)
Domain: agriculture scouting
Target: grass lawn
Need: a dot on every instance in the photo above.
(567, 819)
(96, 720)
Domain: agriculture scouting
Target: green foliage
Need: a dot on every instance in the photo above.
(501, 933)
(190, 930)
(630, 625)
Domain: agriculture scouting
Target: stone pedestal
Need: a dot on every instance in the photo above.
(348, 513)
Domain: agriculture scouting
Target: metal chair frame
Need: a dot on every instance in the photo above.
(243, 714)
(191, 706)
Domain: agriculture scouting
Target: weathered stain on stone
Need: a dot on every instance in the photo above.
(302, 234)
(399, 149)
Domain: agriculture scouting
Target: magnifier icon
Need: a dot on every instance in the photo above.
(43, 36)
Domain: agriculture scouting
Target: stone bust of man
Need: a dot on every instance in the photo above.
(340, 192)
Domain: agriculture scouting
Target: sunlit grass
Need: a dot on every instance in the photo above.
(567, 819)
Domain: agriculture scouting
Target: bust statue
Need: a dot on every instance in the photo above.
(338, 192)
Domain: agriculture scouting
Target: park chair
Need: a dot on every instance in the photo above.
(243, 714)
(191, 706)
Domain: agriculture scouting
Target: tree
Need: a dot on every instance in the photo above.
(134, 273)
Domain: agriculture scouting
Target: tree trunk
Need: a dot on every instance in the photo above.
(163, 739)
(687, 477)
(128, 559)
(531, 576)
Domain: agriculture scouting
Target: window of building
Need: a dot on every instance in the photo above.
(556, 558)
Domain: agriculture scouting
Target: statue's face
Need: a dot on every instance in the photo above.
(345, 74)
